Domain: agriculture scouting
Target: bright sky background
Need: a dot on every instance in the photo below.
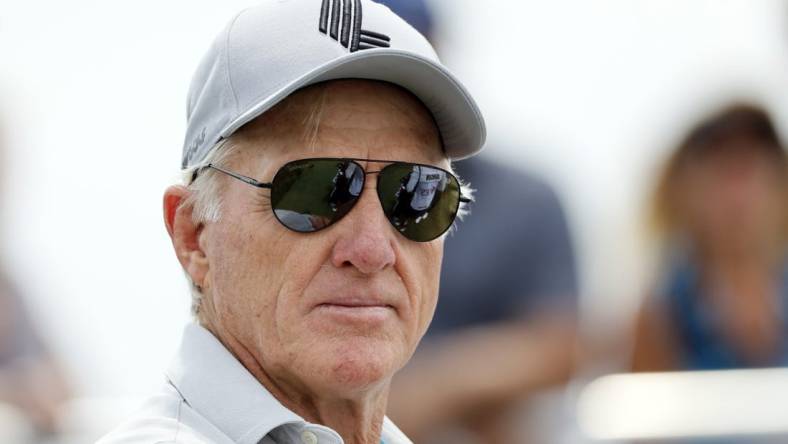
(588, 94)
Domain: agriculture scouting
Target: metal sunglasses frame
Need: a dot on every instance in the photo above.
(268, 185)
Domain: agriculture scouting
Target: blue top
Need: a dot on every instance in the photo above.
(702, 344)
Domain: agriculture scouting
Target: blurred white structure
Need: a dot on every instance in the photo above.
(14, 427)
(686, 404)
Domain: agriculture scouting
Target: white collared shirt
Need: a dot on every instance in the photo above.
(210, 398)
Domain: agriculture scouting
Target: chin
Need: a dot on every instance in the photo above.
(361, 365)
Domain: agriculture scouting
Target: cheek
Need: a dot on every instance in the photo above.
(259, 280)
(426, 263)
(242, 265)
(243, 291)
(267, 268)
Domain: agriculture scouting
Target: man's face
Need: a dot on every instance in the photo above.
(340, 310)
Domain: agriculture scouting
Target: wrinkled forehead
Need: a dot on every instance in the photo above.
(322, 116)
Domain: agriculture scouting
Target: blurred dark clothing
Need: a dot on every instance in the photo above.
(511, 258)
(698, 324)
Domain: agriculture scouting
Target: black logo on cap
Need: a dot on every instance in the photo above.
(346, 14)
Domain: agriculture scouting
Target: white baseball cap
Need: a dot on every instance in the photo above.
(269, 51)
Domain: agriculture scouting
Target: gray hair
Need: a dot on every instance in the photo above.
(205, 198)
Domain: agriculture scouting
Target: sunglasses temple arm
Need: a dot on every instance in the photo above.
(240, 177)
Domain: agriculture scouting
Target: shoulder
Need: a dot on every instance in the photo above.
(154, 430)
(165, 419)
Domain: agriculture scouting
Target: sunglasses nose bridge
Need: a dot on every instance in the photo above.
(366, 239)
(368, 205)
(367, 212)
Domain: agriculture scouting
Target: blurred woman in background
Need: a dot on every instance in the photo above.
(720, 213)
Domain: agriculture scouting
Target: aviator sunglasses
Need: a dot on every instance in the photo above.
(307, 195)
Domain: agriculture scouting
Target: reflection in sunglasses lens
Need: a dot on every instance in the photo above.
(308, 195)
(421, 202)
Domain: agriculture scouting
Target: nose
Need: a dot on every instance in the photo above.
(366, 240)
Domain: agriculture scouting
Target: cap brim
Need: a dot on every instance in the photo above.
(458, 117)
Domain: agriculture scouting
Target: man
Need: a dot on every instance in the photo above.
(308, 297)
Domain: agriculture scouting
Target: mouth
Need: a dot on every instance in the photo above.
(356, 302)
(356, 310)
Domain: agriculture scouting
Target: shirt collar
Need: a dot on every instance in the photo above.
(217, 386)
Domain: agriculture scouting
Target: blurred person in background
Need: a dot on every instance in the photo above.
(505, 323)
(31, 380)
(720, 213)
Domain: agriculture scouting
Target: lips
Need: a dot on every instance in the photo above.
(361, 313)
(355, 303)
(353, 296)
(367, 310)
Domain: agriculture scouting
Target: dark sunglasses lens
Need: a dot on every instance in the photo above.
(311, 194)
(421, 202)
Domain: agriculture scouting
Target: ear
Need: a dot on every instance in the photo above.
(185, 234)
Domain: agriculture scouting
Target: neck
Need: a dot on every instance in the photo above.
(357, 422)
(358, 418)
